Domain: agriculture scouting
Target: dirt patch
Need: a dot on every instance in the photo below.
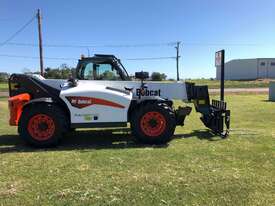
(4, 94)
(10, 189)
(241, 91)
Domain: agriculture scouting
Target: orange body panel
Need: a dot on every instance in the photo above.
(16, 105)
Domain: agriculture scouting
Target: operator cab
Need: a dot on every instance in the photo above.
(101, 67)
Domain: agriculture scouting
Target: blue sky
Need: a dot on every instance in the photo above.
(214, 24)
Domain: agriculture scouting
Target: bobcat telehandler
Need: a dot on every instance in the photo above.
(103, 95)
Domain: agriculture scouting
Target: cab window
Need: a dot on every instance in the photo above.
(88, 71)
(92, 71)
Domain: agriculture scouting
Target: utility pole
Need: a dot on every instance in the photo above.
(177, 59)
(40, 42)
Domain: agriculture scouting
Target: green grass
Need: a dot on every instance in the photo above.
(215, 84)
(104, 168)
(4, 87)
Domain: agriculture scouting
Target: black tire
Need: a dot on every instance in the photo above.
(42, 124)
(157, 130)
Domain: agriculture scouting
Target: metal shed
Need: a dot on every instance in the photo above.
(248, 69)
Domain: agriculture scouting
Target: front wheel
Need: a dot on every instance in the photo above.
(153, 123)
(42, 125)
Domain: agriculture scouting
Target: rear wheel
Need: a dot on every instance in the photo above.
(42, 125)
(153, 123)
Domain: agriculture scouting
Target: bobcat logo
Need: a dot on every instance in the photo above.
(149, 93)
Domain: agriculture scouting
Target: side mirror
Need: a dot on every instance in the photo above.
(142, 75)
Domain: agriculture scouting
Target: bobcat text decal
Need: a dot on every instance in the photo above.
(146, 92)
(81, 102)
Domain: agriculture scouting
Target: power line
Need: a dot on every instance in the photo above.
(75, 59)
(17, 32)
(206, 44)
(149, 58)
(221, 44)
(94, 45)
(36, 57)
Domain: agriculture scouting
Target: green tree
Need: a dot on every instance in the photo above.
(62, 72)
(156, 76)
(4, 77)
(108, 75)
(171, 79)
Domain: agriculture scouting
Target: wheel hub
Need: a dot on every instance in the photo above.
(41, 127)
(153, 124)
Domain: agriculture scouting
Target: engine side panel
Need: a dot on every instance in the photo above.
(96, 104)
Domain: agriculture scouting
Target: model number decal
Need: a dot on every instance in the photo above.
(81, 102)
(86, 117)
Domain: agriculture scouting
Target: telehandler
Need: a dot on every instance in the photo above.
(103, 95)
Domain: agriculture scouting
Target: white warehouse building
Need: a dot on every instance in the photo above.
(248, 69)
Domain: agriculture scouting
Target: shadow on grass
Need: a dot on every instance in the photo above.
(93, 139)
(200, 134)
(267, 100)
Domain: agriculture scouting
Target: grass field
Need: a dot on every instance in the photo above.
(104, 168)
(215, 84)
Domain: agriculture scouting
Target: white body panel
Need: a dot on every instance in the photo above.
(175, 90)
(97, 113)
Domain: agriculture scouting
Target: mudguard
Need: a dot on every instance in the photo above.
(43, 99)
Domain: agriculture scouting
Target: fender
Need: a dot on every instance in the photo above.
(154, 99)
(48, 100)
(180, 112)
(16, 104)
(19, 102)
(43, 99)
(137, 103)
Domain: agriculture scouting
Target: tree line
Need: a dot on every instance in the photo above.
(64, 72)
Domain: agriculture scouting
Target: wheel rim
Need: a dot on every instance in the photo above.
(41, 127)
(153, 124)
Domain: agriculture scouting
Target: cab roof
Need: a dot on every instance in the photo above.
(100, 58)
